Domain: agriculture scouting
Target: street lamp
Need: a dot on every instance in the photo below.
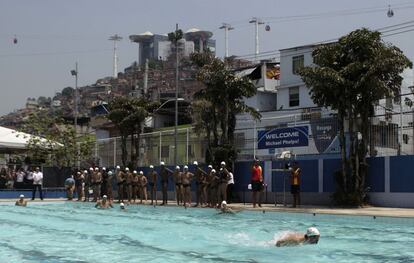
(75, 73)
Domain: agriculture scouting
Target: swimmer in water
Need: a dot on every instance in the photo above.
(122, 207)
(104, 203)
(293, 239)
(21, 201)
(224, 209)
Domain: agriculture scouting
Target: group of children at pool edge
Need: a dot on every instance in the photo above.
(211, 185)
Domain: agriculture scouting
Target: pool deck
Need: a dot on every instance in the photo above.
(364, 211)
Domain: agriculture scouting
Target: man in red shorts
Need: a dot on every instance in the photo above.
(257, 182)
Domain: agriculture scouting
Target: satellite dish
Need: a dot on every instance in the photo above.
(267, 27)
(390, 12)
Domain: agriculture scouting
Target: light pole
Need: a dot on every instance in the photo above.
(227, 28)
(256, 21)
(75, 73)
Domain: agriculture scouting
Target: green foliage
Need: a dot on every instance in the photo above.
(68, 92)
(216, 106)
(351, 76)
(54, 141)
(128, 115)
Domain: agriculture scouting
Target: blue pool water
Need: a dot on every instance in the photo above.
(77, 232)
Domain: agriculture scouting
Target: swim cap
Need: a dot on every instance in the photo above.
(224, 202)
(96, 169)
(91, 169)
(210, 166)
(177, 167)
(103, 169)
(162, 163)
(134, 172)
(110, 172)
(151, 167)
(185, 167)
(21, 196)
(118, 167)
(85, 172)
(312, 231)
(213, 171)
(121, 205)
(223, 163)
(195, 163)
(127, 169)
(104, 196)
(141, 172)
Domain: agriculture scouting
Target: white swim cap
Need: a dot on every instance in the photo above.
(110, 172)
(224, 202)
(85, 172)
(134, 172)
(312, 231)
(118, 167)
(121, 205)
(90, 169)
(177, 167)
(141, 172)
(104, 196)
(127, 169)
(195, 163)
(223, 163)
(21, 196)
(151, 166)
(210, 166)
(103, 169)
(162, 163)
(185, 167)
(96, 169)
(213, 171)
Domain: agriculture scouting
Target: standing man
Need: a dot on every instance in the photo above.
(109, 186)
(120, 180)
(152, 178)
(164, 173)
(143, 186)
(96, 184)
(37, 183)
(224, 177)
(257, 182)
(129, 177)
(29, 178)
(135, 186)
(80, 184)
(177, 175)
(186, 180)
(200, 178)
(104, 184)
(230, 187)
(295, 184)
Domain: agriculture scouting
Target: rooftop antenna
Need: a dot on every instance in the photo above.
(115, 38)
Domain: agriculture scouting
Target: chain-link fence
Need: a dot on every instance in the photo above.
(320, 128)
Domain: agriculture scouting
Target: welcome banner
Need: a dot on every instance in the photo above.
(283, 137)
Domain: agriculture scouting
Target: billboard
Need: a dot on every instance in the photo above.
(283, 137)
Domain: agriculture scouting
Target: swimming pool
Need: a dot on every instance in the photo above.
(77, 232)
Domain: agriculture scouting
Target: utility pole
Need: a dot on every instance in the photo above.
(176, 96)
(227, 28)
(75, 73)
(115, 38)
(256, 21)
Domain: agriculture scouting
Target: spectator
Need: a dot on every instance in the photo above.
(3, 178)
(80, 184)
(257, 183)
(20, 179)
(37, 183)
(295, 184)
(29, 179)
(11, 175)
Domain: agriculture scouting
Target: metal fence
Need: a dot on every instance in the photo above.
(387, 137)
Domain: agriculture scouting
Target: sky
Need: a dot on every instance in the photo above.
(54, 34)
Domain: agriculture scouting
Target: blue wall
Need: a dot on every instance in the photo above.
(402, 174)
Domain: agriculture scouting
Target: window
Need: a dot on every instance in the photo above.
(297, 63)
(293, 96)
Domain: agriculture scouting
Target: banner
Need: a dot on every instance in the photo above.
(283, 137)
(324, 132)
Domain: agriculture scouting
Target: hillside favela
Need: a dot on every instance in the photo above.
(206, 131)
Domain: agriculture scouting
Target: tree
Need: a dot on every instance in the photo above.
(351, 76)
(128, 115)
(54, 142)
(222, 100)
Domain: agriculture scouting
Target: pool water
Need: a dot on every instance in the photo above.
(77, 232)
